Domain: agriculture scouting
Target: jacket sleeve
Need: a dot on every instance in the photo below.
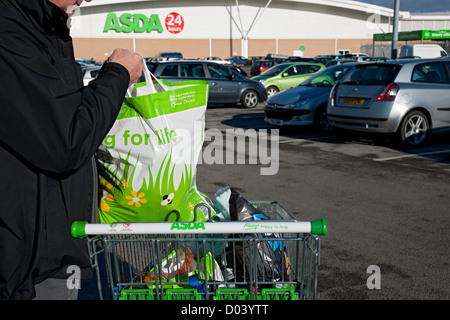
(42, 121)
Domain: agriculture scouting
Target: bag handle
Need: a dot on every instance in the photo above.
(149, 87)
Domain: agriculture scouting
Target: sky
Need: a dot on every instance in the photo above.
(414, 6)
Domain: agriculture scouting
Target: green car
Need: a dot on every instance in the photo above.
(287, 75)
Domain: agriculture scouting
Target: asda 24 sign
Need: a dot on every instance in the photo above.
(140, 23)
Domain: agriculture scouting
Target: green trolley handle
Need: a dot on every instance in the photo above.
(81, 229)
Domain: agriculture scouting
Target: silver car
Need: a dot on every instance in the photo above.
(90, 73)
(409, 98)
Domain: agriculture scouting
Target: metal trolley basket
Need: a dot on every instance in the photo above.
(275, 259)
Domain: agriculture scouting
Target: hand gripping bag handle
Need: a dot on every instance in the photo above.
(149, 88)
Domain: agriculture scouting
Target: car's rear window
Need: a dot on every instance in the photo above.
(372, 74)
(270, 63)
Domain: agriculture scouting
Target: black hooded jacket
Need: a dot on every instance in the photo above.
(50, 128)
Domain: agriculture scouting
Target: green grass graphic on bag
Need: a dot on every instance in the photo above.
(150, 155)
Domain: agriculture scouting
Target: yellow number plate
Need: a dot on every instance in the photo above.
(356, 101)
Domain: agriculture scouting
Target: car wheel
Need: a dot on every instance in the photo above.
(414, 129)
(272, 90)
(250, 99)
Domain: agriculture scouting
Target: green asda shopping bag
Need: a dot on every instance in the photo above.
(150, 155)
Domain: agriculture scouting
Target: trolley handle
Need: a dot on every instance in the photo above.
(81, 229)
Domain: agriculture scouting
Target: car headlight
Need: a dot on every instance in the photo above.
(262, 81)
(298, 104)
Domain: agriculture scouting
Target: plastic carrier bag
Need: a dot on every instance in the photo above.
(180, 269)
(272, 260)
(148, 159)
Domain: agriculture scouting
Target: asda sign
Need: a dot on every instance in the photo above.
(141, 23)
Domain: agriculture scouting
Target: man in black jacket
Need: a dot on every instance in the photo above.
(50, 128)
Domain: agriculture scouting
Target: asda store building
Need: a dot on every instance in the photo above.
(236, 27)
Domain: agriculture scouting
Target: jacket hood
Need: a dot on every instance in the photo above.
(38, 13)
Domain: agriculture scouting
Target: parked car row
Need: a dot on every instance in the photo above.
(228, 85)
(405, 98)
(408, 100)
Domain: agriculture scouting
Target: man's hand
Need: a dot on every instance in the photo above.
(132, 61)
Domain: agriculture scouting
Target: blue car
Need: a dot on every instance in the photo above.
(306, 103)
(238, 60)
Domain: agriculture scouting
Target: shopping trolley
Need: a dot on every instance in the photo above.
(273, 259)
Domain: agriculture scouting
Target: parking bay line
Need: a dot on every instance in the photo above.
(300, 139)
(411, 155)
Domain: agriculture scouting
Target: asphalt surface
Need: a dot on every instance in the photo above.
(385, 207)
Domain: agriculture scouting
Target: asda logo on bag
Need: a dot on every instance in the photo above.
(187, 226)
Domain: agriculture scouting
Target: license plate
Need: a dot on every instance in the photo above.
(276, 122)
(357, 101)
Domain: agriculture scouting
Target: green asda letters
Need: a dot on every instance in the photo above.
(187, 226)
(128, 23)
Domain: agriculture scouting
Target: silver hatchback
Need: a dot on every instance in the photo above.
(410, 98)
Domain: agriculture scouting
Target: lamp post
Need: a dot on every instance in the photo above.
(395, 29)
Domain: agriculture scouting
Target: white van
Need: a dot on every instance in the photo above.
(423, 51)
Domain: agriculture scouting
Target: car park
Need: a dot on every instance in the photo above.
(237, 60)
(276, 56)
(324, 58)
(83, 65)
(254, 58)
(217, 60)
(301, 59)
(226, 86)
(90, 73)
(260, 66)
(239, 70)
(356, 56)
(90, 62)
(287, 75)
(168, 56)
(408, 99)
(306, 103)
(338, 62)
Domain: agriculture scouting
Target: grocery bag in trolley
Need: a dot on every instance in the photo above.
(148, 159)
(272, 260)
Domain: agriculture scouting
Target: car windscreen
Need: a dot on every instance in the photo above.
(372, 74)
(275, 70)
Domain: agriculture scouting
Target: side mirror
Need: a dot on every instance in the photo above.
(285, 74)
